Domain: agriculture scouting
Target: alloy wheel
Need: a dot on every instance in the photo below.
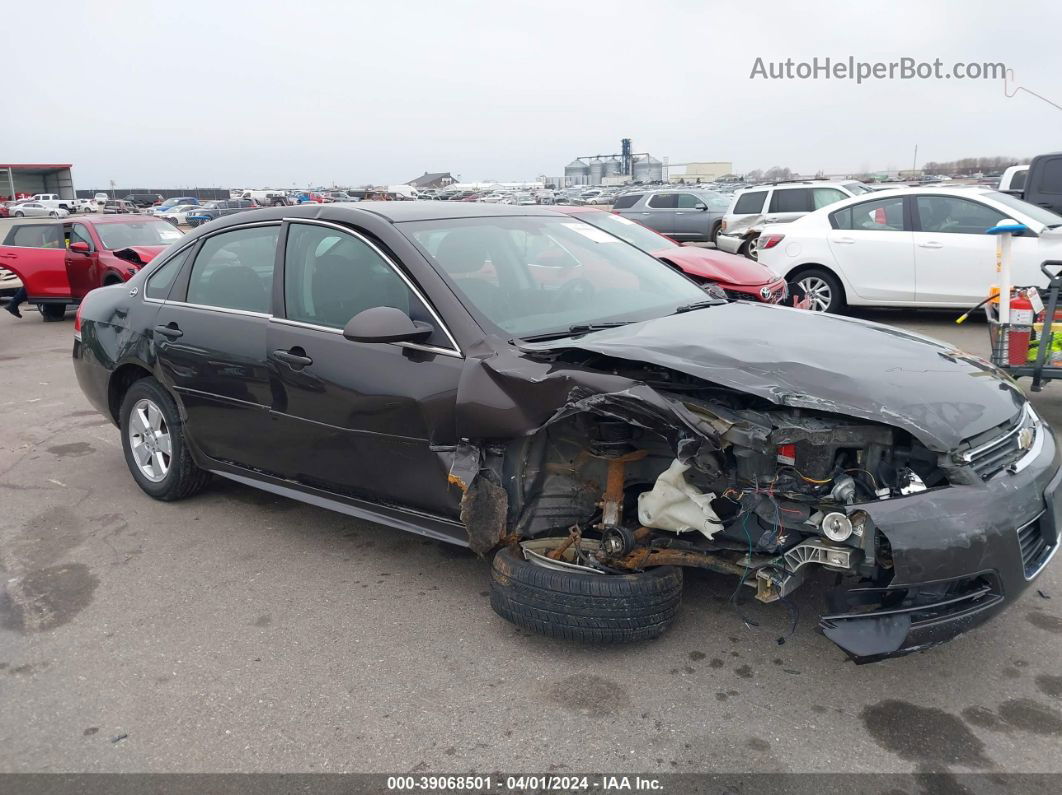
(149, 440)
(818, 291)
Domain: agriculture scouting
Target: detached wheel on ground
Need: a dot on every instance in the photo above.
(578, 605)
(52, 313)
(824, 290)
(154, 444)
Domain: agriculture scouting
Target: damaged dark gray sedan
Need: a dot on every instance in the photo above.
(521, 383)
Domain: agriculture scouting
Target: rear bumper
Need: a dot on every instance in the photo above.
(960, 554)
(728, 243)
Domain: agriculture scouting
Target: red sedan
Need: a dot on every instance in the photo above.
(738, 276)
(60, 261)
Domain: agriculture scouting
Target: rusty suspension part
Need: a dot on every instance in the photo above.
(574, 536)
(643, 557)
(612, 500)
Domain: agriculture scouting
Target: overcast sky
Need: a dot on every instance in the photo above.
(276, 92)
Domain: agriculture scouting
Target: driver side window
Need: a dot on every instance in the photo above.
(330, 276)
(951, 215)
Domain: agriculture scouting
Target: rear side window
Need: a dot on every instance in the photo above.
(234, 270)
(882, 215)
(625, 201)
(663, 201)
(750, 203)
(160, 282)
(1017, 180)
(792, 200)
(36, 236)
(687, 201)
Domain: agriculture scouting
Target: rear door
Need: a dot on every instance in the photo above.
(873, 247)
(955, 261)
(210, 337)
(658, 212)
(36, 253)
(357, 418)
(82, 268)
(788, 204)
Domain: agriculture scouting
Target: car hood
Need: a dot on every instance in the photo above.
(139, 255)
(938, 394)
(718, 265)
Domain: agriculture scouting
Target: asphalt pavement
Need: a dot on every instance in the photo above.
(237, 631)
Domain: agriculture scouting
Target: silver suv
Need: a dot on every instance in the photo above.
(776, 203)
(679, 214)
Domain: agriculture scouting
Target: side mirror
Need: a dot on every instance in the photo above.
(385, 324)
(80, 247)
(700, 206)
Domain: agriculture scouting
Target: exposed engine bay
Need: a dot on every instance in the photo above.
(763, 493)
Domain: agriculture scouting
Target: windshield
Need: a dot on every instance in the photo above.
(538, 275)
(855, 188)
(625, 229)
(1041, 214)
(138, 233)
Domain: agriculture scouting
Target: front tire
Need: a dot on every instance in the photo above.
(580, 606)
(824, 290)
(20, 215)
(154, 443)
(52, 313)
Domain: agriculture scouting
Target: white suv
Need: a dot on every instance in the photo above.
(776, 203)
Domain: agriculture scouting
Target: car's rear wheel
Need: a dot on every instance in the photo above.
(576, 603)
(823, 289)
(713, 236)
(154, 443)
(751, 248)
(52, 313)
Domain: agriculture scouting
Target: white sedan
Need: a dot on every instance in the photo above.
(918, 247)
(179, 213)
(37, 210)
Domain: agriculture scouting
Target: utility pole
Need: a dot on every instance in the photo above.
(914, 163)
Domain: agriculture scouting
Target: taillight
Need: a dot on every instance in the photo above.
(770, 241)
(722, 225)
(77, 320)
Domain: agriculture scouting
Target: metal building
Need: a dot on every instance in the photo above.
(26, 179)
(577, 172)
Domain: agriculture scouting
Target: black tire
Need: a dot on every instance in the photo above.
(593, 608)
(52, 313)
(748, 248)
(20, 214)
(809, 281)
(184, 478)
(713, 236)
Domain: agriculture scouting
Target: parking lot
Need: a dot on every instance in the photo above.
(237, 631)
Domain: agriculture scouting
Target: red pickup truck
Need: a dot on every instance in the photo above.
(60, 261)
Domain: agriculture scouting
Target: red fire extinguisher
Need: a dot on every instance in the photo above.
(1021, 322)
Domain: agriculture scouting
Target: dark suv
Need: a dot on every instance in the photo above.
(144, 199)
(683, 215)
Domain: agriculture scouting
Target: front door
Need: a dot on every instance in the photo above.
(211, 344)
(82, 267)
(873, 246)
(35, 253)
(691, 218)
(955, 261)
(358, 418)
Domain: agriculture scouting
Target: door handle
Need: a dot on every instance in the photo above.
(771, 219)
(931, 244)
(846, 240)
(295, 358)
(170, 330)
(8, 256)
